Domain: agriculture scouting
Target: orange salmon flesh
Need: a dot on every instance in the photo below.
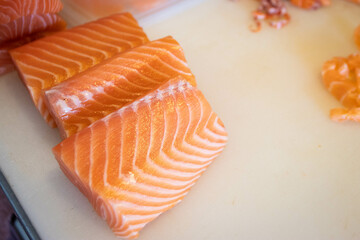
(142, 159)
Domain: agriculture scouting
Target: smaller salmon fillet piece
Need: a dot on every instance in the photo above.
(51, 60)
(31, 24)
(311, 4)
(341, 76)
(141, 160)
(357, 36)
(87, 97)
(11, 10)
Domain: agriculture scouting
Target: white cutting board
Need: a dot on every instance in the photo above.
(288, 172)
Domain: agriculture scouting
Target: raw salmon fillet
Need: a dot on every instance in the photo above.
(141, 160)
(48, 61)
(87, 97)
(11, 10)
(341, 76)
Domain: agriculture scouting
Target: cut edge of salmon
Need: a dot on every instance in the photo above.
(110, 196)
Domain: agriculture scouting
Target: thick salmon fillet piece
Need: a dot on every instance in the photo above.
(141, 160)
(11, 10)
(341, 76)
(100, 90)
(48, 61)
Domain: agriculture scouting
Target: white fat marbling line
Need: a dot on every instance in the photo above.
(91, 159)
(134, 218)
(120, 205)
(163, 62)
(330, 67)
(130, 43)
(175, 150)
(38, 59)
(152, 190)
(132, 28)
(76, 156)
(155, 180)
(169, 53)
(105, 54)
(121, 76)
(135, 58)
(344, 69)
(63, 106)
(170, 173)
(81, 66)
(126, 18)
(100, 42)
(207, 130)
(142, 197)
(54, 76)
(87, 95)
(132, 69)
(203, 141)
(179, 87)
(109, 37)
(179, 163)
(63, 101)
(44, 112)
(53, 45)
